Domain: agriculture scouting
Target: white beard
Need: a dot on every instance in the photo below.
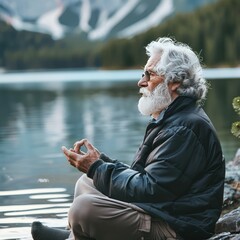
(155, 101)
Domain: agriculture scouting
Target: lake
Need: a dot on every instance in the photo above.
(40, 112)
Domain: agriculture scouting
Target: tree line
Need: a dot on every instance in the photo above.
(213, 31)
(29, 50)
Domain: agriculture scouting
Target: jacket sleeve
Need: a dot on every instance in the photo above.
(179, 158)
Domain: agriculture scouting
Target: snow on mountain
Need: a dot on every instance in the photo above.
(163, 10)
(105, 27)
(98, 19)
(48, 22)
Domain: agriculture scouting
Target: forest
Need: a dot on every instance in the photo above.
(212, 31)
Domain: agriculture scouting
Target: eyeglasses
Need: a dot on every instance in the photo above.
(148, 74)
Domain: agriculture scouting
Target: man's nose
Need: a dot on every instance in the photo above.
(143, 82)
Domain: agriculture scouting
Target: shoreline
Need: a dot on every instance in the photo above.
(98, 75)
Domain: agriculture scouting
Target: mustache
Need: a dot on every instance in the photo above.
(145, 92)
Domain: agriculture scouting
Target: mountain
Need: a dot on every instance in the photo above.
(97, 19)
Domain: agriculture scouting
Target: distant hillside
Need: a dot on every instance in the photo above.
(212, 31)
(97, 20)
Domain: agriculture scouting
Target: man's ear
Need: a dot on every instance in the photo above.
(173, 89)
(174, 86)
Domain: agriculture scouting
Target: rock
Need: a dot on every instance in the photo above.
(225, 236)
(229, 222)
(228, 225)
(232, 182)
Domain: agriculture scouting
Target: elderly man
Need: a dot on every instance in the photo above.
(174, 187)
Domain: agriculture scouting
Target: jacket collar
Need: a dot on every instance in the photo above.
(177, 105)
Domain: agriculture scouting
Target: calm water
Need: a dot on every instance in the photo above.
(36, 181)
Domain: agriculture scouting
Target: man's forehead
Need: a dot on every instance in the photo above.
(152, 61)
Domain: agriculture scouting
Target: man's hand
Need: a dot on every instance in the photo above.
(79, 159)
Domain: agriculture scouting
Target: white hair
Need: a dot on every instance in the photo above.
(179, 64)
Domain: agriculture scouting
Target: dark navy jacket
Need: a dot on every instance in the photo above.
(177, 174)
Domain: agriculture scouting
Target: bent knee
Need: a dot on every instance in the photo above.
(82, 209)
(81, 180)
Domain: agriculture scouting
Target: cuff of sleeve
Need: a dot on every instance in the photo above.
(105, 158)
(93, 168)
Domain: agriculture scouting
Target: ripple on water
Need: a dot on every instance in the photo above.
(15, 220)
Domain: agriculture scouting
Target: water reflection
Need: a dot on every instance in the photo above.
(35, 178)
(23, 215)
(31, 191)
(220, 110)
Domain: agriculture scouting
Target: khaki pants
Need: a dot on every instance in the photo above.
(96, 216)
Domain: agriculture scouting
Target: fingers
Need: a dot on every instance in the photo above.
(77, 145)
(70, 154)
(78, 159)
(89, 146)
(91, 149)
(81, 161)
(84, 142)
(72, 162)
(79, 152)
